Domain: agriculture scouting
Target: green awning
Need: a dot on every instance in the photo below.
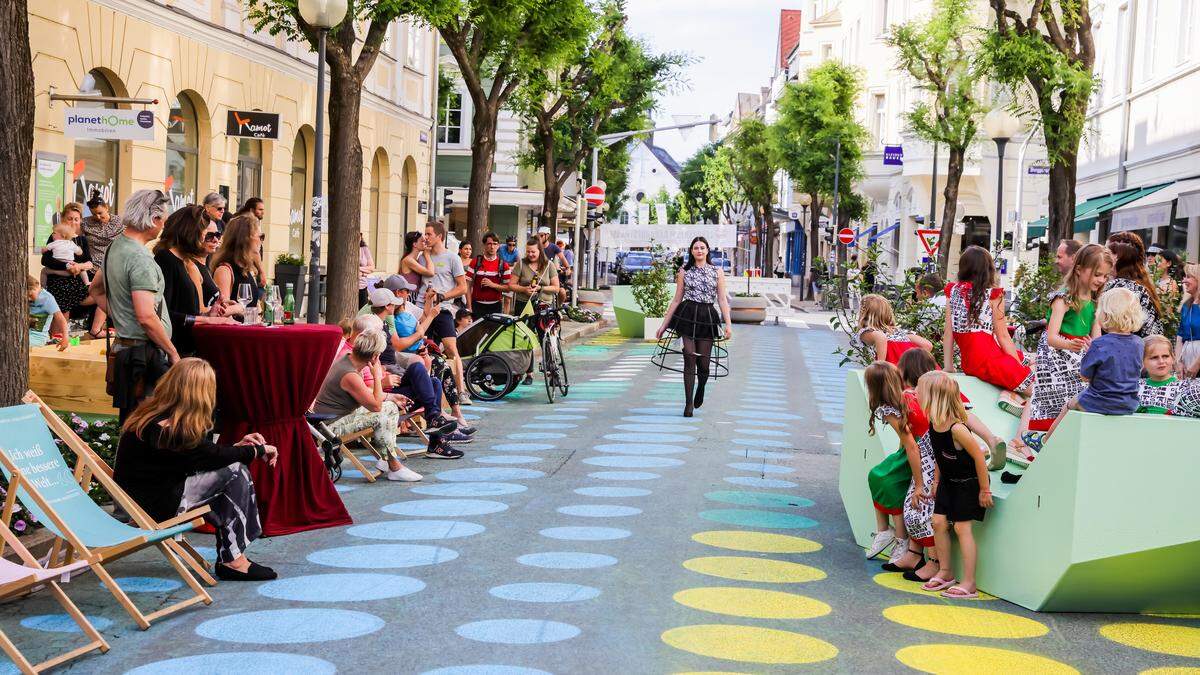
(1088, 212)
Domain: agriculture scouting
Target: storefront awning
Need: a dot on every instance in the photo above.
(1152, 210)
(1088, 212)
(1189, 205)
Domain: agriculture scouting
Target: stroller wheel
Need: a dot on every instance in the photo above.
(489, 377)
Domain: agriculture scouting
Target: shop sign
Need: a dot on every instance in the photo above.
(1039, 170)
(422, 206)
(48, 190)
(108, 124)
(893, 155)
(252, 124)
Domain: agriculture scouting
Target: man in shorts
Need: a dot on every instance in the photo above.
(488, 276)
(449, 281)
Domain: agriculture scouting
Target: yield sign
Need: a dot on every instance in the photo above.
(930, 239)
(594, 195)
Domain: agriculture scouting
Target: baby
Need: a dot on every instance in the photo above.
(63, 247)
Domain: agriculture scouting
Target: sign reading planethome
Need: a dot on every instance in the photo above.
(846, 236)
(252, 124)
(109, 124)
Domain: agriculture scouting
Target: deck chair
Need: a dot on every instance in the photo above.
(24, 578)
(37, 473)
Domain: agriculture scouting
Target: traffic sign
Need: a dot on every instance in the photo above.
(594, 195)
(846, 236)
(930, 239)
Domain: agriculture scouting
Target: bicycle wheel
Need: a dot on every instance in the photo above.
(489, 377)
(549, 369)
(564, 382)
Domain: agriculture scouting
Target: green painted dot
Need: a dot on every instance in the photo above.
(765, 519)
(767, 499)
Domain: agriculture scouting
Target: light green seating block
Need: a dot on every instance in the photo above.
(630, 317)
(1107, 519)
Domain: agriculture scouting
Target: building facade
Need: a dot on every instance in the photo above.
(652, 171)
(202, 59)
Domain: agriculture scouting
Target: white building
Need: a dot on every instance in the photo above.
(651, 170)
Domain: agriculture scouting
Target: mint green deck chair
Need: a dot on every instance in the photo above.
(41, 479)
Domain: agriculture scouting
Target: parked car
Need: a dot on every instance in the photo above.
(721, 260)
(631, 263)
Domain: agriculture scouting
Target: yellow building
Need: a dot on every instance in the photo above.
(202, 59)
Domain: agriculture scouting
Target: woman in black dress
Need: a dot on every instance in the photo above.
(698, 286)
(65, 280)
(237, 261)
(179, 252)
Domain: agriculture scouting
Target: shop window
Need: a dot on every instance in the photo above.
(96, 161)
(183, 156)
(298, 211)
(249, 175)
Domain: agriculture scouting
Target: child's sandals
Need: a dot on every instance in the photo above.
(937, 583)
(959, 593)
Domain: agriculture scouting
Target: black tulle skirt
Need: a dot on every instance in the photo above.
(696, 320)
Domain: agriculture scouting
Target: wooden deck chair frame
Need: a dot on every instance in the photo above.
(28, 585)
(363, 436)
(89, 466)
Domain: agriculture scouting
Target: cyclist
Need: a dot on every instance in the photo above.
(534, 277)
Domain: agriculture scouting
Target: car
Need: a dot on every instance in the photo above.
(721, 260)
(631, 263)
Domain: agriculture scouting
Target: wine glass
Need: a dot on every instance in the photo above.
(244, 295)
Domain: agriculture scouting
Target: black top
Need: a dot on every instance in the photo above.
(953, 463)
(50, 263)
(208, 287)
(153, 476)
(181, 299)
(240, 277)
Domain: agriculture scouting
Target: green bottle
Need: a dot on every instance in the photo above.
(268, 310)
(289, 307)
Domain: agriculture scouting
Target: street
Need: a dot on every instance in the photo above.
(605, 534)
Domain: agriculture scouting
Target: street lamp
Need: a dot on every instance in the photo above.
(321, 15)
(1000, 126)
(805, 200)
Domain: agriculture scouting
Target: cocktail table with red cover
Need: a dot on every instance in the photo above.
(266, 379)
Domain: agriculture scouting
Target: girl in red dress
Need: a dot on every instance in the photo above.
(877, 329)
(975, 323)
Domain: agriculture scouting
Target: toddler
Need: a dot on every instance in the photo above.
(62, 247)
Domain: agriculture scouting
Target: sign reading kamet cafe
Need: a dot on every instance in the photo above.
(252, 124)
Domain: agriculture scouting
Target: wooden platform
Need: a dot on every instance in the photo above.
(72, 380)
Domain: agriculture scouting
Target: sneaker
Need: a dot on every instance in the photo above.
(881, 541)
(528, 379)
(441, 425)
(457, 437)
(382, 465)
(444, 451)
(898, 550)
(405, 475)
(467, 429)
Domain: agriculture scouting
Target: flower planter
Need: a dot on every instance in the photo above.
(650, 325)
(591, 299)
(748, 310)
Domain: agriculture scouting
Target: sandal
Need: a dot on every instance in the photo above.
(959, 593)
(937, 583)
(1010, 407)
(997, 455)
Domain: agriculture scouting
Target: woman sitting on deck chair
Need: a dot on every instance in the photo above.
(167, 464)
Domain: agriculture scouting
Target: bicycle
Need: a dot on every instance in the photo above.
(491, 376)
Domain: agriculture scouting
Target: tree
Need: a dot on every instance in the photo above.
(692, 196)
(350, 57)
(754, 170)
(16, 158)
(937, 54)
(497, 45)
(722, 192)
(1046, 48)
(675, 211)
(816, 126)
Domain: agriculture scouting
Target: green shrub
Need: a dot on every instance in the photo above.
(651, 287)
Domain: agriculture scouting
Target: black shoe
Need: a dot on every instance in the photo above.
(893, 567)
(528, 379)
(256, 572)
(443, 451)
(441, 425)
(698, 399)
(687, 412)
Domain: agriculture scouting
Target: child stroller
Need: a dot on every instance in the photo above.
(497, 350)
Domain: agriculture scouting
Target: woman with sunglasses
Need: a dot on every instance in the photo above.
(180, 252)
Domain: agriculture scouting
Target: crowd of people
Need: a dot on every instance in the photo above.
(1102, 351)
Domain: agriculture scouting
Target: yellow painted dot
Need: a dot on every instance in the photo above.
(759, 542)
(965, 621)
(968, 660)
(749, 643)
(897, 582)
(1171, 670)
(1160, 638)
(1167, 615)
(752, 603)
(754, 569)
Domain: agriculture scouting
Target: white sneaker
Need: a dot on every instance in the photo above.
(382, 465)
(898, 550)
(405, 474)
(880, 542)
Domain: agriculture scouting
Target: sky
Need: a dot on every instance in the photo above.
(732, 43)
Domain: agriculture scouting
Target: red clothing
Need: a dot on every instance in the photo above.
(481, 268)
(898, 342)
(980, 354)
(918, 423)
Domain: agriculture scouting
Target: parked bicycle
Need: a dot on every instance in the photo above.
(505, 350)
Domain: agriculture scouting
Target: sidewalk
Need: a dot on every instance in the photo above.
(573, 332)
(812, 313)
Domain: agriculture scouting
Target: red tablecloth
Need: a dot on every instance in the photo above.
(266, 379)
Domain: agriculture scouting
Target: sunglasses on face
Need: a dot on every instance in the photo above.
(217, 208)
(212, 236)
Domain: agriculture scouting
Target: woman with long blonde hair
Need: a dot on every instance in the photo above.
(168, 464)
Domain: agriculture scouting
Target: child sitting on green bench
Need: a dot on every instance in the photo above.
(1160, 389)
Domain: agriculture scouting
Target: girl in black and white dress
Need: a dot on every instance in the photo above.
(692, 315)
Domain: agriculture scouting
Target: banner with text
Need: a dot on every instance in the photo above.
(675, 236)
(109, 125)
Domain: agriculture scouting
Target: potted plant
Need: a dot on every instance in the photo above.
(290, 269)
(747, 307)
(651, 290)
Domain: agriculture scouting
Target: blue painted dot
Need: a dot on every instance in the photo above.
(351, 473)
(624, 475)
(633, 462)
(344, 488)
(412, 530)
(145, 584)
(508, 459)
(567, 560)
(352, 587)
(765, 423)
(605, 491)
(489, 669)
(765, 519)
(762, 442)
(650, 438)
(517, 631)
(549, 425)
(599, 510)
(290, 626)
(764, 432)
(560, 418)
(207, 552)
(656, 428)
(445, 508)
(469, 489)
(759, 467)
(382, 556)
(640, 448)
(488, 474)
(536, 436)
(658, 412)
(545, 592)
(62, 623)
(763, 414)
(237, 663)
(769, 499)
(762, 454)
(574, 410)
(522, 447)
(585, 533)
(755, 481)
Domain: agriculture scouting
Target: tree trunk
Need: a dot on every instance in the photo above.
(483, 158)
(954, 171)
(1061, 219)
(345, 191)
(769, 245)
(552, 191)
(16, 158)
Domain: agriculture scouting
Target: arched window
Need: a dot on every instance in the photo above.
(183, 155)
(249, 178)
(96, 161)
(378, 165)
(298, 215)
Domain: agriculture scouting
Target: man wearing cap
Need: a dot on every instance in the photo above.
(488, 276)
(554, 254)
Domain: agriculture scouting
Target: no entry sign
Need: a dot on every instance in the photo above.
(594, 195)
(846, 235)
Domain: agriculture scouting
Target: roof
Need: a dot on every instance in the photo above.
(665, 158)
(789, 36)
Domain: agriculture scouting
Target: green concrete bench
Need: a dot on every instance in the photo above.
(1107, 519)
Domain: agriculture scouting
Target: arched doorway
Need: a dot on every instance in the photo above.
(408, 194)
(377, 224)
(249, 170)
(183, 151)
(298, 211)
(97, 162)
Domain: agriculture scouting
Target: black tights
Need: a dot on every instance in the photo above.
(697, 353)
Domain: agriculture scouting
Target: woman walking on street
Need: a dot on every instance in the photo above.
(698, 286)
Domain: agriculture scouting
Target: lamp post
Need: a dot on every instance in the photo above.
(804, 200)
(1000, 126)
(321, 15)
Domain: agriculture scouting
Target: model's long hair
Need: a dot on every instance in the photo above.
(185, 397)
(913, 364)
(1089, 258)
(884, 387)
(410, 240)
(184, 231)
(975, 267)
(1129, 255)
(691, 258)
(239, 248)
